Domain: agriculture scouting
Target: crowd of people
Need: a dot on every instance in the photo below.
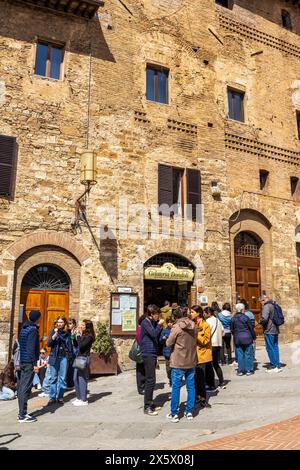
(66, 367)
(196, 342)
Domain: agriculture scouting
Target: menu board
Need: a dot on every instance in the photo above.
(124, 313)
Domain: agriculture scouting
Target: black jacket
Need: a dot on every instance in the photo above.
(84, 344)
(29, 343)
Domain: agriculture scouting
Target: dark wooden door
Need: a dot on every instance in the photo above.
(50, 303)
(248, 284)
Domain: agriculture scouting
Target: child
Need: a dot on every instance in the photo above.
(42, 366)
(166, 350)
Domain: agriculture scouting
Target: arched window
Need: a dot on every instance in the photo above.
(162, 258)
(286, 20)
(246, 244)
(45, 277)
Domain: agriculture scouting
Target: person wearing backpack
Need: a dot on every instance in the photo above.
(271, 319)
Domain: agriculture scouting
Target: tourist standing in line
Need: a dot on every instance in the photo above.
(271, 332)
(225, 318)
(140, 368)
(166, 349)
(166, 312)
(61, 352)
(70, 372)
(183, 360)
(217, 331)
(215, 307)
(149, 341)
(251, 317)
(204, 354)
(85, 336)
(29, 354)
(243, 336)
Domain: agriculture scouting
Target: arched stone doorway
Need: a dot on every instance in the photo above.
(45, 287)
(256, 247)
(168, 276)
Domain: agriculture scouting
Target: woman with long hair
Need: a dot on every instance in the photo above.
(85, 336)
(8, 382)
(61, 352)
(204, 354)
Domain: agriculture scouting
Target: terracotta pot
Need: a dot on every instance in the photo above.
(100, 365)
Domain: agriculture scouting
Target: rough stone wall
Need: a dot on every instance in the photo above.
(131, 135)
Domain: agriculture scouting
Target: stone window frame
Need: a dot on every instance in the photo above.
(52, 43)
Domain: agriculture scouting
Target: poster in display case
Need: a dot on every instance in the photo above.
(124, 313)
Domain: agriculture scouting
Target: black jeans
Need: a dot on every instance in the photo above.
(209, 374)
(227, 345)
(24, 388)
(200, 381)
(140, 377)
(150, 367)
(216, 351)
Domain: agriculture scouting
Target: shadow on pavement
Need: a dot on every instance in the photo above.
(16, 436)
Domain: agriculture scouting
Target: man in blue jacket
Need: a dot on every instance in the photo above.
(29, 354)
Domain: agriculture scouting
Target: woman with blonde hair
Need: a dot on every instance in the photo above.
(61, 352)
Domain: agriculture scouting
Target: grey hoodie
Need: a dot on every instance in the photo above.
(183, 339)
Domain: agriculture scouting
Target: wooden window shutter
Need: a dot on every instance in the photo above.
(193, 182)
(7, 164)
(165, 185)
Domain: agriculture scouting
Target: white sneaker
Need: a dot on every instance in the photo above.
(80, 403)
(75, 401)
(271, 371)
(173, 419)
(188, 416)
(43, 394)
(277, 370)
(39, 387)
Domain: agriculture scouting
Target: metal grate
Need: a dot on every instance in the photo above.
(177, 260)
(246, 244)
(45, 277)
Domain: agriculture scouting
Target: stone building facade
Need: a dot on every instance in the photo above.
(99, 101)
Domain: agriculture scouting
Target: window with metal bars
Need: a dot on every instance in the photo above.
(246, 244)
(45, 277)
(162, 258)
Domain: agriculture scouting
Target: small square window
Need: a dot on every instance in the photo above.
(157, 79)
(236, 105)
(49, 60)
(263, 178)
(294, 184)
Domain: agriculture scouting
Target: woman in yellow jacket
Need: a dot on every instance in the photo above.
(204, 354)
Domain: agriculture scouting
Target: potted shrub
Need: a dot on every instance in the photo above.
(104, 358)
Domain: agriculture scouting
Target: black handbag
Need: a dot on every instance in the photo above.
(80, 362)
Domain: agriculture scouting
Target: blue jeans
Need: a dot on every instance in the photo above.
(46, 381)
(58, 383)
(273, 350)
(177, 375)
(245, 358)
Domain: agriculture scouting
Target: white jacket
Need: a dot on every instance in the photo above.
(217, 331)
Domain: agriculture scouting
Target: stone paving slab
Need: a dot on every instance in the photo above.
(115, 420)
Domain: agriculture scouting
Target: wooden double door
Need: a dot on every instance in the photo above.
(50, 303)
(248, 284)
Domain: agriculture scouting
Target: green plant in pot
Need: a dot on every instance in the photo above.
(103, 344)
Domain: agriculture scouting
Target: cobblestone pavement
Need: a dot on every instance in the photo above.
(115, 420)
